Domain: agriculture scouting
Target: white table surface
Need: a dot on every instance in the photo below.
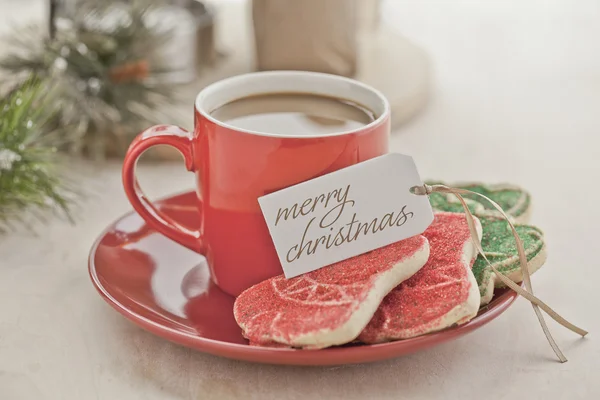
(516, 98)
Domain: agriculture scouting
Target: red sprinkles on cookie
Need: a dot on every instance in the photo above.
(329, 306)
(444, 292)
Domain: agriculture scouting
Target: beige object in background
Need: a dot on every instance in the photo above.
(310, 35)
(368, 14)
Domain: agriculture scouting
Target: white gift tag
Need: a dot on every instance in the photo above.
(346, 213)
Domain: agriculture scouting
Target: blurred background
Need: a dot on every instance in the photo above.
(504, 80)
(493, 91)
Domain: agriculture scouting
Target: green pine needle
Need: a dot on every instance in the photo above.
(30, 183)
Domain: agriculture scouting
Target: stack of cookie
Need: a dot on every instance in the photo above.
(410, 288)
(497, 241)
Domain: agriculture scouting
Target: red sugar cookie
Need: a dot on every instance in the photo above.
(444, 292)
(329, 306)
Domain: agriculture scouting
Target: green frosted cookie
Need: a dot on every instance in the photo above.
(500, 249)
(449, 203)
(515, 201)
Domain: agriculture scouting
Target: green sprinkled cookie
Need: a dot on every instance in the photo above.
(449, 203)
(500, 248)
(515, 201)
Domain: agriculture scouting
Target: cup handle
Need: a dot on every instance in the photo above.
(180, 139)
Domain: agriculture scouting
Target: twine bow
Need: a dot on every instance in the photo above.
(537, 304)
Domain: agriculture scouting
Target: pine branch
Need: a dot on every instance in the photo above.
(30, 183)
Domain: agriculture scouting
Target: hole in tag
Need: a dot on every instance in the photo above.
(413, 190)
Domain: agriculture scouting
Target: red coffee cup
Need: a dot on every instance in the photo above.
(234, 167)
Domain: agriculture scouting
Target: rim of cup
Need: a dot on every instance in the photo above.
(230, 89)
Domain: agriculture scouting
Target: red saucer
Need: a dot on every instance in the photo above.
(166, 289)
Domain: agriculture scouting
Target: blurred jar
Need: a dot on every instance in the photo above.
(310, 35)
(204, 19)
(179, 52)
